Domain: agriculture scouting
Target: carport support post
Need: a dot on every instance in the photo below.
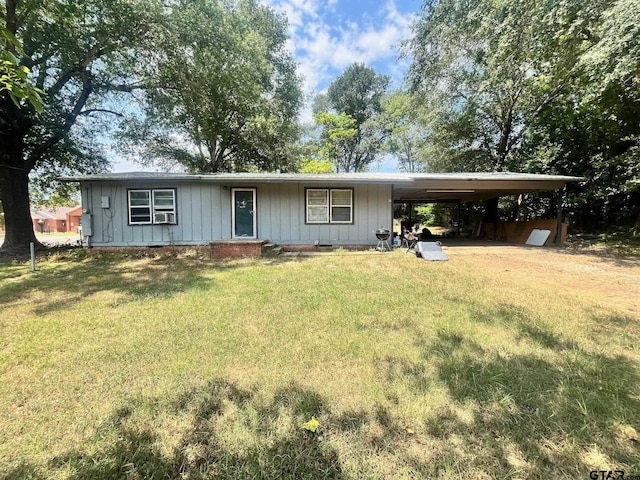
(458, 218)
(559, 199)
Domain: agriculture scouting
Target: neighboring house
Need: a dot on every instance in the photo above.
(74, 218)
(156, 209)
(56, 219)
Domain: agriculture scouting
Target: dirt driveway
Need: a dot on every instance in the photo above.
(610, 280)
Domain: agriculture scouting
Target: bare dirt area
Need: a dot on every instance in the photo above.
(610, 280)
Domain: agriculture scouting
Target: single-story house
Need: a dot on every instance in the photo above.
(161, 209)
(56, 219)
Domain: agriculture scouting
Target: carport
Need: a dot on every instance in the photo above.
(420, 188)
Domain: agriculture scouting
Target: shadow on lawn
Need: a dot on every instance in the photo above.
(557, 413)
(528, 326)
(271, 442)
(538, 417)
(156, 277)
(65, 286)
(277, 446)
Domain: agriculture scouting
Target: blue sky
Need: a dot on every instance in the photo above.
(326, 36)
(329, 35)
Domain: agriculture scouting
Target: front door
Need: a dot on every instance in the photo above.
(243, 212)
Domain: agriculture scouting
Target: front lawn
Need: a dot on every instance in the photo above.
(514, 363)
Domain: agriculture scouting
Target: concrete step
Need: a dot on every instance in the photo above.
(271, 249)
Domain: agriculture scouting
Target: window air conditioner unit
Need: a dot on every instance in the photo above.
(163, 217)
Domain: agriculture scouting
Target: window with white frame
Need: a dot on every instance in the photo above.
(152, 206)
(341, 206)
(329, 205)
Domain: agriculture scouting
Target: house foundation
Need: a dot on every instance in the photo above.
(236, 248)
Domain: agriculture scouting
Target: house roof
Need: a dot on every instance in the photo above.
(407, 187)
(51, 213)
(40, 215)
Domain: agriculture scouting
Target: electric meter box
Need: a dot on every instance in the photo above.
(87, 224)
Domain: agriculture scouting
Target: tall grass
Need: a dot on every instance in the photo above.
(124, 367)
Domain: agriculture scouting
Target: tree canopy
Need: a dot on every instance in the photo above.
(77, 54)
(532, 86)
(406, 138)
(222, 94)
(216, 90)
(14, 78)
(484, 71)
(348, 113)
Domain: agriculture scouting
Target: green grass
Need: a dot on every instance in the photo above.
(621, 243)
(114, 366)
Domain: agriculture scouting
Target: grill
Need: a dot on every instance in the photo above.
(383, 234)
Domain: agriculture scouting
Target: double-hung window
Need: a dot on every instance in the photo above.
(153, 206)
(317, 205)
(341, 206)
(329, 205)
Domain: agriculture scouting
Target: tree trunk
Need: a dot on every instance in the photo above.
(491, 211)
(14, 195)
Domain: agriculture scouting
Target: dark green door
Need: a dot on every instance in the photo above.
(244, 212)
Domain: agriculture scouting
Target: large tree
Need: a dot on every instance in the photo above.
(217, 90)
(337, 139)
(14, 78)
(494, 76)
(355, 96)
(593, 128)
(78, 54)
(406, 138)
(224, 94)
(484, 70)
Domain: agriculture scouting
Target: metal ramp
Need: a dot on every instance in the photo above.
(430, 251)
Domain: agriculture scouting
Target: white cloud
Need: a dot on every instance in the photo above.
(380, 43)
(297, 11)
(325, 42)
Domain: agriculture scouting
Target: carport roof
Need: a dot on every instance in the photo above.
(470, 187)
(407, 187)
